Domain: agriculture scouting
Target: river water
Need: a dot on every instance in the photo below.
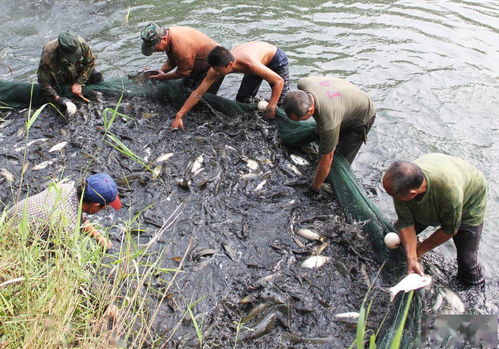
(431, 68)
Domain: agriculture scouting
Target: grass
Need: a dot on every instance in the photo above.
(398, 323)
(58, 288)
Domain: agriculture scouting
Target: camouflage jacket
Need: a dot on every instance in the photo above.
(54, 71)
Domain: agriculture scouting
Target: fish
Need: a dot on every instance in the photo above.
(308, 234)
(315, 261)
(252, 164)
(163, 157)
(255, 311)
(201, 252)
(260, 186)
(273, 297)
(142, 77)
(230, 252)
(298, 160)
(450, 303)
(249, 176)
(197, 165)
(296, 339)
(347, 317)
(9, 177)
(294, 170)
(262, 328)
(156, 172)
(58, 146)
(149, 115)
(409, 283)
(30, 144)
(42, 165)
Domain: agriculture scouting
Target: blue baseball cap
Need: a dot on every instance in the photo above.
(101, 188)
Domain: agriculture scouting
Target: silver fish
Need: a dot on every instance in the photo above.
(30, 144)
(163, 157)
(58, 146)
(308, 234)
(7, 174)
(347, 317)
(197, 165)
(252, 164)
(156, 172)
(409, 283)
(294, 169)
(298, 160)
(452, 304)
(42, 165)
(260, 186)
(315, 261)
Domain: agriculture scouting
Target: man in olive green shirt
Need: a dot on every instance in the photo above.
(344, 115)
(66, 61)
(440, 191)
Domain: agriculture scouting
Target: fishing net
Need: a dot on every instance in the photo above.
(350, 195)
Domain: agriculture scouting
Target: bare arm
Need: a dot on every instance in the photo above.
(432, 241)
(89, 228)
(409, 241)
(323, 169)
(194, 98)
(275, 81)
(183, 71)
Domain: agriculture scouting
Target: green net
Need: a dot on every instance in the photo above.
(351, 196)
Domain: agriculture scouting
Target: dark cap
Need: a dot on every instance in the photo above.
(150, 36)
(101, 188)
(69, 45)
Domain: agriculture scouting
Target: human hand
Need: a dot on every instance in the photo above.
(105, 243)
(413, 267)
(177, 123)
(270, 113)
(65, 106)
(76, 89)
(158, 76)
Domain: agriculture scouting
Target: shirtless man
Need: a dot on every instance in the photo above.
(186, 49)
(258, 61)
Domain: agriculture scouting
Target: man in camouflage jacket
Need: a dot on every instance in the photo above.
(66, 61)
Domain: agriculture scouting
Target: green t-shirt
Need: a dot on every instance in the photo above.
(456, 194)
(340, 106)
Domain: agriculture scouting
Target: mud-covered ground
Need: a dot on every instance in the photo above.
(238, 212)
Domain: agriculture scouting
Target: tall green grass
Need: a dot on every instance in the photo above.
(59, 289)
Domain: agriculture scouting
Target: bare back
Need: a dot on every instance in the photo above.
(251, 54)
(189, 48)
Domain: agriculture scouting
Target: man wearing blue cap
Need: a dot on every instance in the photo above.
(66, 61)
(59, 205)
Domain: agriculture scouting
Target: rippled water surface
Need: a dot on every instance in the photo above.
(431, 67)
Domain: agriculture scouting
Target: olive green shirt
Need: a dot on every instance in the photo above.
(339, 106)
(456, 195)
(54, 71)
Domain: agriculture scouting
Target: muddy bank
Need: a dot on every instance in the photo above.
(229, 191)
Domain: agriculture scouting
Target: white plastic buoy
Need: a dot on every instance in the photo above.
(392, 240)
(70, 108)
(262, 105)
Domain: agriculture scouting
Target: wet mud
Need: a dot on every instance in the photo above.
(229, 194)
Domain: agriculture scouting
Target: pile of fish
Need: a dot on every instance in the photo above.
(271, 263)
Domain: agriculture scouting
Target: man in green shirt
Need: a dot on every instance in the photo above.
(344, 115)
(66, 61)
(445, 192)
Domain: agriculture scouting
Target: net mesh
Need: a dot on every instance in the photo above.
(350, 195)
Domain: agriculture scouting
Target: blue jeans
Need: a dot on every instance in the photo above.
(251, 83)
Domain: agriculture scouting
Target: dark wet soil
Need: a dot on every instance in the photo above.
(239, 222)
